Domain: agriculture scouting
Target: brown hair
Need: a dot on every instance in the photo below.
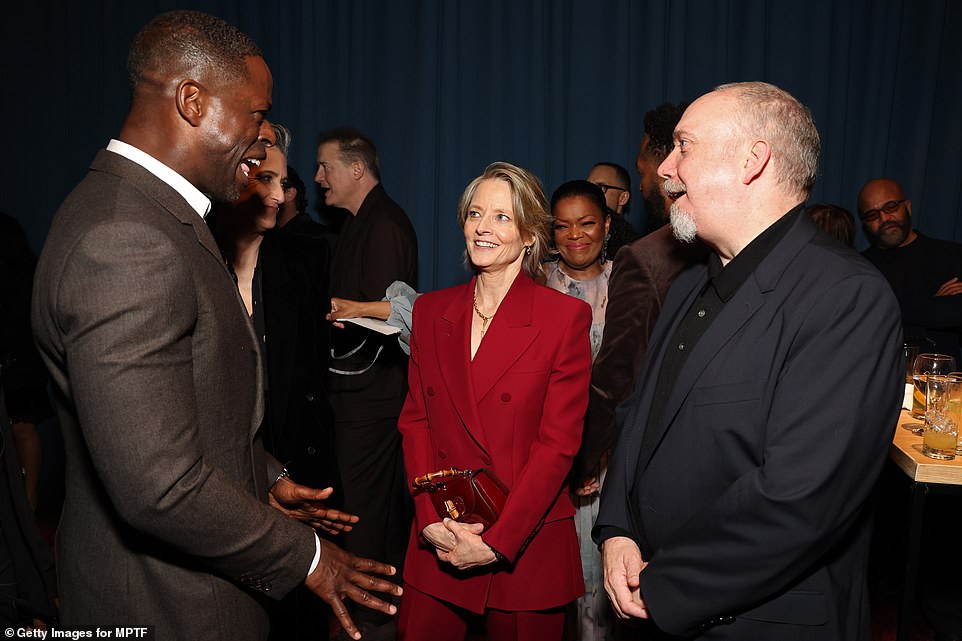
(836, 221)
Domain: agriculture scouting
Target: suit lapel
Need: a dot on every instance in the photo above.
(509, 335)
(454, 360)
(746, 302)
(168, 198)
(686, 287)
(165, 195)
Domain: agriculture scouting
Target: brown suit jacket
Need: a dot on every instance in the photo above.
(642, 273)
(157, 384)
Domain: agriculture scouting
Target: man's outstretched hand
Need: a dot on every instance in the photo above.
(307, 505)
(340, 574)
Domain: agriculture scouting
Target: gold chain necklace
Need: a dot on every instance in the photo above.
(484, 319)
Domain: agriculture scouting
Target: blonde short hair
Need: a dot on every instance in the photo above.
(530, 209)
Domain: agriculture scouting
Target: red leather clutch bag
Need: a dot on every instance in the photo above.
(467, 496)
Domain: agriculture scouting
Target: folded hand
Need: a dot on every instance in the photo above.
(470, 550)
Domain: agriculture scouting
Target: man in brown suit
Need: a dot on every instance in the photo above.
(156, 369)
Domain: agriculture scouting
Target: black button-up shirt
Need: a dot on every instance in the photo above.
(723, 283)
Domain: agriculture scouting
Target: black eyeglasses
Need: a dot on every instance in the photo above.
(605, 188)
(871, 215)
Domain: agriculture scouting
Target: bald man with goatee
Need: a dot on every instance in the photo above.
(924, 272)
(737, 501)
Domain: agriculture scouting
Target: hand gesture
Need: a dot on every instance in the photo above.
(470, 550)
(306, 504)
(623, 564)
(340, 574)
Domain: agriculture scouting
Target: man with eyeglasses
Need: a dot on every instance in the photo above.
(924, 272)
(616, 185)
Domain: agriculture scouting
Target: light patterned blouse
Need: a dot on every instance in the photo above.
(594, 292)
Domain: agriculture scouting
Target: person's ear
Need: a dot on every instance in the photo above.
(191, 98)
(357, 170)
(607, 224)
(908, 206)
(624, 197)
(755, 161)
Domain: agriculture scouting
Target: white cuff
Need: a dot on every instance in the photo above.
(317, 554)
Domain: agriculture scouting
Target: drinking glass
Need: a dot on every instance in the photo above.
(958, 445)
(943, 402)
(925, 365)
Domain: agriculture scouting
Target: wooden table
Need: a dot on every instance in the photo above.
(926, 475)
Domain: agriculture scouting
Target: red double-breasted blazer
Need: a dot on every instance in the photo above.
(518, 409)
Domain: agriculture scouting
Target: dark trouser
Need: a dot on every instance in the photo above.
(371, 466)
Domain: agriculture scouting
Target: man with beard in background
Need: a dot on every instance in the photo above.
(924, 272)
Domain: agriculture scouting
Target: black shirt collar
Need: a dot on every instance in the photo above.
(728, 278)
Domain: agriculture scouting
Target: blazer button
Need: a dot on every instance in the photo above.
(505, 396)
(442, 454)
(486, 460)
(311, 451)
(430, 391)
(310, 398)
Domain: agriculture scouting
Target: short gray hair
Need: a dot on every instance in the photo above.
(786, 124)
(282, 138)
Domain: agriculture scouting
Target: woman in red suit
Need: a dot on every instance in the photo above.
(498, 379)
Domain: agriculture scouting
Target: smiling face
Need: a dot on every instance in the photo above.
(260, 201)
(701, 169)
(579, 234)
(494, 242)
(235, 132)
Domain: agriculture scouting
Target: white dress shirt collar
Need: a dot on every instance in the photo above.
(198, 201)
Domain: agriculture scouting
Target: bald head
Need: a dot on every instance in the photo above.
(886, 214)
(878, 191)
(772, 113)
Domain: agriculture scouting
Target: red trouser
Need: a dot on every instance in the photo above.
(423, 618)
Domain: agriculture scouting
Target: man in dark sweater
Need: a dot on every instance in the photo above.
(924, 272)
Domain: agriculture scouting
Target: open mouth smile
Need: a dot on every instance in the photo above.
(246, 164)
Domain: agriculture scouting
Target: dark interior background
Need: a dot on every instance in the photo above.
(444, 87)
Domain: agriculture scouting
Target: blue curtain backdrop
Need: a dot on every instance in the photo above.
(444, 87)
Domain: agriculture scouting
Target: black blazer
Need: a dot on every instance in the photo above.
(295, 273)
(753, 492)
(21, 544)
